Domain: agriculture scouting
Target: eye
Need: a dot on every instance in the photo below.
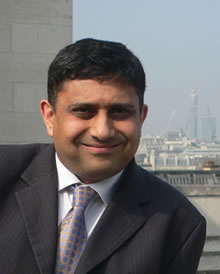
(120, 113)
(84, 112)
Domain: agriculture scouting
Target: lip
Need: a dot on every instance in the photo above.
(97, 148)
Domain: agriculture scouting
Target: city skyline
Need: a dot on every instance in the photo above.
(178, 44)
(196, 127)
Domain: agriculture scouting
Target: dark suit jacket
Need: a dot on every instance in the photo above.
(147, 228)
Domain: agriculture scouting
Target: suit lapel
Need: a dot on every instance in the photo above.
(121, 219)
(38, 204)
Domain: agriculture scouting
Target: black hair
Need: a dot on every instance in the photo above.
(99, 60)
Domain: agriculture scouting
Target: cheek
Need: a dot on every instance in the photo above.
(72, 129)
(131, 130)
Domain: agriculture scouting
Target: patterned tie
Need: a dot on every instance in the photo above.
(72, 237)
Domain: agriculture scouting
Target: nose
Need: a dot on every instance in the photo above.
(102, 127)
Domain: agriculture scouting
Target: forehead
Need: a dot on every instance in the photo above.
(92, 90)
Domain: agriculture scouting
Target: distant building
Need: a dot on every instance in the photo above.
(209, 129)
(194, 115)
(177, 153)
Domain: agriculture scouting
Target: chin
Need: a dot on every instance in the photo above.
(100, 174)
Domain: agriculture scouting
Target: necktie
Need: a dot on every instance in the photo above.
(72, 236)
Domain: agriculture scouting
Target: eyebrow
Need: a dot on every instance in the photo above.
(91, 105)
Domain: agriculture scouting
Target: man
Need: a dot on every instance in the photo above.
(135, 223)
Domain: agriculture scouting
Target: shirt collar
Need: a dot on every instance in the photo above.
(104, 188)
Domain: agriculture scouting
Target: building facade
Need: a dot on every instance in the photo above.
(31, 33)
(209, 129)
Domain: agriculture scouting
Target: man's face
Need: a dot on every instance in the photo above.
(96, 127)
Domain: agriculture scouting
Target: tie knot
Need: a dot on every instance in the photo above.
(82, 196)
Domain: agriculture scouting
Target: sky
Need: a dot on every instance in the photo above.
(178, 43)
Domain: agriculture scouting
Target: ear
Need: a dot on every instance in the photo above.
(48, 115)
(143, 114)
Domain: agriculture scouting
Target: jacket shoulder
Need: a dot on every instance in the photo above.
(18, 154)
(164, 193)
(14, 159)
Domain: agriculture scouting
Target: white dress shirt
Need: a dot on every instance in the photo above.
(96, 206)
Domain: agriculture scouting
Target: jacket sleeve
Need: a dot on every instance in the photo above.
(187, 258)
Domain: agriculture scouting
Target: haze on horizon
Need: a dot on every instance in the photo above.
(178, 43)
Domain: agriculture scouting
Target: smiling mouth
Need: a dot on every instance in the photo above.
(98, 148)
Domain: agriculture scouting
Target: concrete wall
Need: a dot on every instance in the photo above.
(207, 199)
(31, 33)
(210, 208)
